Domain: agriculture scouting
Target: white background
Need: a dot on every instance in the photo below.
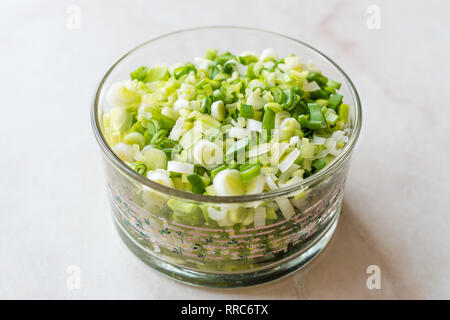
(53, 204)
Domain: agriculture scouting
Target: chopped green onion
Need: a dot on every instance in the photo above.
(291, 100)
(166, 123)
(334, 101)
(246, 111)
(197, 183)
(278, 95)
(168, 151)
(206, 106)
(218, 110)
(320, 94)
(181, 71)
(139, 167)
(211, 54)
(152, 126)
(250, 71)
(333, 84)
(139, 74)
(268, 122)
(154, 158)
(224, 57)
(217, 170)
(134, 138)
(237, 147)
(343, 112)
(319, 164)
(218, 95)
(248, 59)
(303, 120)
(249, 171)
(174, 125)
(330, 116)
(316, 120)
(159, 136)
(157, 74)
(230, 66)
(281, 61)
(318, 78)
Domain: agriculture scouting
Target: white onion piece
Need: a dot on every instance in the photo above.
(339, 136)
(256, 83)
(271, 78)
(254, 125)
(124, 151)
(191, 137)
(260, 217)
(255, 100)
(177, 130)
(187, 91)
(335, 152)
(228, 183)
(289, 160)
(291, 63)
(286, 208)
(160, 177)
(294, 141)
(180, 104)
(218, 111)
(318, 140)
(285, 176)
(277, 150)
(311, 67)
(240, 123)
(216, 214)
(238, 133)
(202, 63)
(268, 53)
(259, 150)
(280, 117)
(310, 86)
(122, 94)
(256, 185)
(242, 69)
(270, 182)
(268, 64)
(180, 167)
(207, 153)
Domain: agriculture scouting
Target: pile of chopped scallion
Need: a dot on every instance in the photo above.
(227, 125)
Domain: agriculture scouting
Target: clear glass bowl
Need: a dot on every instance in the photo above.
(223, 256)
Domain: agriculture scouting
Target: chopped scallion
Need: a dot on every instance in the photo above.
(246, 111)
(197, 183)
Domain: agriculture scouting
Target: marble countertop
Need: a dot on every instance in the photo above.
(54, 207)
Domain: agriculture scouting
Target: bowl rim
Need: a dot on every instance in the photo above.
(295, 187)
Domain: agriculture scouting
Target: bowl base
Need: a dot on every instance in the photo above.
(247, 279)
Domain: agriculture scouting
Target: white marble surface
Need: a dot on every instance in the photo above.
(54, 210)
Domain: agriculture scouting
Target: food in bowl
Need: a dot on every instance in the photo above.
(227, 125)
(163, 215)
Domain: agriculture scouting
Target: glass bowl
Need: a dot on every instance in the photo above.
(223, 256)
